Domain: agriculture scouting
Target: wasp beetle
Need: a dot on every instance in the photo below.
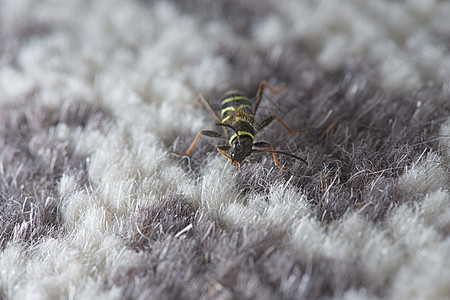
(238, 123)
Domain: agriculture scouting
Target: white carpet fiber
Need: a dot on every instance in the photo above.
(94, 94)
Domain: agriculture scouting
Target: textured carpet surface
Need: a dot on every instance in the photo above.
(94, 95)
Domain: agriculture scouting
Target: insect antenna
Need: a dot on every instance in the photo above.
(279, 152)
(231, 127)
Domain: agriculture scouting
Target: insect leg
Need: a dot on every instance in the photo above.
(269, 120)
(207, 133)
(222, 149)
(274, 153)
(260, 91)
(208, 106)
(272, 150)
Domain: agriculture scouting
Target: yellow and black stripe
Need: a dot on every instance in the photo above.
(234, 101)
(237, 121)
(236, 110)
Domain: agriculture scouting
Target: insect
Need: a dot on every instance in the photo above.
(238, 123)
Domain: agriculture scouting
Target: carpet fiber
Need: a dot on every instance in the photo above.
(94, 95)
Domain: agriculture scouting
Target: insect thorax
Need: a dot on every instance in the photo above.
(241, 129)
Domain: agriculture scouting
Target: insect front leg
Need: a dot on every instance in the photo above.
(222, 149)
(208, 133)
(272, 150)
(274, 153)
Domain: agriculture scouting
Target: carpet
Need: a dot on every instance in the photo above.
(95, 94)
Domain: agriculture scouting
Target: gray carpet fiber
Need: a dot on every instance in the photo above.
(95, 94)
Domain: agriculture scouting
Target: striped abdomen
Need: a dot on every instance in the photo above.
(231, 102)
(237, 111)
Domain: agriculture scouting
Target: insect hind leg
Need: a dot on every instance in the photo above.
(260, 91)
(207, 104)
